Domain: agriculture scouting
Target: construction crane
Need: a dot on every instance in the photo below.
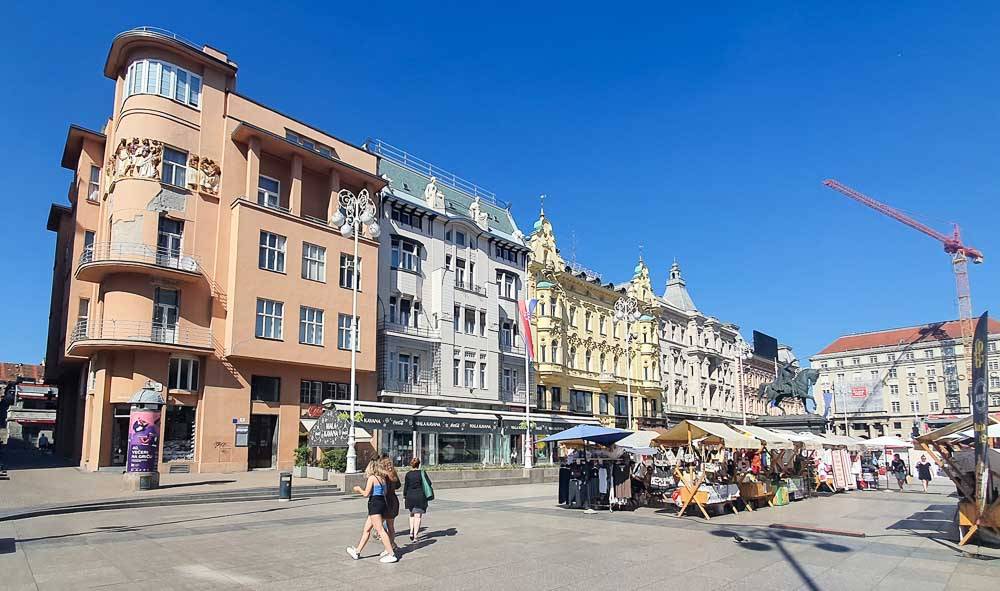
(960, 253)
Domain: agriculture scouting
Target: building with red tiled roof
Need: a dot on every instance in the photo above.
(10, 372)
(887, 382)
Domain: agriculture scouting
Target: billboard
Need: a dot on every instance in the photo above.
(765, 345)
(858, 396)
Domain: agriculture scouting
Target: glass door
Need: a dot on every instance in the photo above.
(165, 312)
(168, 243)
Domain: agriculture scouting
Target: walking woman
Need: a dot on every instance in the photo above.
(391, 500)
(375, 488)
(924, 471)
(898, 469)
(416, 499)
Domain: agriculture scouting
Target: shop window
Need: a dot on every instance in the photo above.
(265, 388)
(178, 438)
(183, 374)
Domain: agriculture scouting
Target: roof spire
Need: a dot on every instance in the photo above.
(541, 210)
(676, 293)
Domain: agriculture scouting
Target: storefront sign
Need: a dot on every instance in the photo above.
(143, 440)
(456, 425)
(859, 392)
(331, 430)
(540, 427)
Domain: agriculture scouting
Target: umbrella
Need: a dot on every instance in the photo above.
(592, 433)
(639, 439)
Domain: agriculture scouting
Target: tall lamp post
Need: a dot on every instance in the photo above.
(627, 310)
(356, 213)
(743, 351)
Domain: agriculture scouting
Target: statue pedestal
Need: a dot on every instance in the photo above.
(797, 423)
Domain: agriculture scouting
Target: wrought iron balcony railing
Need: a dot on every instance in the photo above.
(418, 331)
(426, 388)
(132, 252)
(144, 332)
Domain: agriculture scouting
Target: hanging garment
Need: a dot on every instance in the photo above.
(602, 480)
(575, 498)
(563, 484)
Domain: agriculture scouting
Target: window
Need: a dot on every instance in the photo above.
(94, 186)
(460, 273)
(897, 425)
(540, 395)
(601, 325)
(310, 392)
(506, 253)
(892, 372)
(268, 192)
(855, 361)
(308, 143)
(840, 363)
(174, 167)
(840, 377)
(269, 318)
(455, 369)
(543, 353)
(271, 256)
(458, 319)
(265, 388)
(915, 405)
(507, 285)
(995, 399)
(993, 347)
(470, 374)
(310, 326)
(931, 372)
(873, 374)
(929, 354)
(994, 365)
(482, 375)
(459, 238)
(823, 365)
(183, 374)
(556, 397)
(88, 246)
(314, 264)
(935, 405)
(508, 380)
(586, 360)
(911, 388)
(994, 382)
(603, 404)
(873, 359)
(165, 79)
(470, 321)
(405, 254)
(909, 356)
(894, 390)
(580, 401)
(932, 387)
(347, 271)
(507, 334)
(83, 316)
(586, 321)
(894, 406)
(482, 324)
(344, 332)
(406, 218)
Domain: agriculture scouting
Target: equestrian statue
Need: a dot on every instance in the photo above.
(789, 384)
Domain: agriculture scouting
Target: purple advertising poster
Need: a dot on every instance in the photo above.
(143, 440)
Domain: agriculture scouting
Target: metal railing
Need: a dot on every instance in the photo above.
(146, 332)
(515, 396)
(160, 33)
(511, 348)
(402, 387)
(470, 286)
(407, 160)
(419, 331)
(139, 253)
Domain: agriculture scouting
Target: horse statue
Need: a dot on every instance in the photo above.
(789, 384)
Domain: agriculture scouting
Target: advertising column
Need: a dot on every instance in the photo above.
(142, 456)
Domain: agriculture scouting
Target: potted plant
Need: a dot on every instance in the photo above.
(301, 461)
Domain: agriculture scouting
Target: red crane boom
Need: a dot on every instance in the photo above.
(960, 255)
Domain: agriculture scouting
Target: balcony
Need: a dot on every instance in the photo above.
(90, 337)
(421, 388)
(101, 259)
(396, 328)
(511, 349)
(32, 416)
(512, 395)
(470, 287)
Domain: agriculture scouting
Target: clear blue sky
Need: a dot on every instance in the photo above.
(703, 134)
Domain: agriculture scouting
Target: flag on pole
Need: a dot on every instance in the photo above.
(526, 309)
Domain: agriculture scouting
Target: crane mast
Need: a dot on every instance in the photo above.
(960, 254)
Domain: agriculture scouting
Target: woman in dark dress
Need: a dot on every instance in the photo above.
(924, 471)
(391, 500)
(413, 495)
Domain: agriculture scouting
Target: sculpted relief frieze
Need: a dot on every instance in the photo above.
(141, 158)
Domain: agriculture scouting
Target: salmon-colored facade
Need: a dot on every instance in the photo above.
(195, 256)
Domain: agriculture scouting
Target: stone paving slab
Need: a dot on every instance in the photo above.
(482, 538)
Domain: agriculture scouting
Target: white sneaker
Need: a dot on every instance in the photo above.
(383, 553)
(388, 558)
(353, 553)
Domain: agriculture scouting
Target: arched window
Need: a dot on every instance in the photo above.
(587, 360)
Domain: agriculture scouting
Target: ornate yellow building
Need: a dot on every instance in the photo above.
(581, 348)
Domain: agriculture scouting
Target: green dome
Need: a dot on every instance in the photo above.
(638, 269)
(645, 318)
(538, 223)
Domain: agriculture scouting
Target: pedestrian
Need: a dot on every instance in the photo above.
(415, 496)
(924, 471)
(391, 499)
(898, 468)
(375, 487)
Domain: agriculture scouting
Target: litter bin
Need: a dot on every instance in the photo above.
(285, 487)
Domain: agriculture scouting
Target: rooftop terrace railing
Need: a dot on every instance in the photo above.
(407, 160)
(161, 33)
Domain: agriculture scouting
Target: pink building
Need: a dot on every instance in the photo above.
(195, 255)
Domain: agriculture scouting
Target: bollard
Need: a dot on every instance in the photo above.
(285, 487)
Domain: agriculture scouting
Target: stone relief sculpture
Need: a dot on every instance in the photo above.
(478, 215)
(207, 174)
(137, 158)
(432, 195)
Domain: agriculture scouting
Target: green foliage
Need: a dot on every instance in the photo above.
(346, 416)
(334, 459)
(302, 455)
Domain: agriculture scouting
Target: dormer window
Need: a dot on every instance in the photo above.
(164, 79)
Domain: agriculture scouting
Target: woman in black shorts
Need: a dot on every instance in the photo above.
(375, 490)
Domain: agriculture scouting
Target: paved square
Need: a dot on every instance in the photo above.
(512, 537)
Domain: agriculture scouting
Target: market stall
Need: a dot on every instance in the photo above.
(956, 456)
(590, 480)
(889, 445)
(706, 457)
(779, 461)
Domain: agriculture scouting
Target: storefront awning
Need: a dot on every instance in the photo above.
(545, 424)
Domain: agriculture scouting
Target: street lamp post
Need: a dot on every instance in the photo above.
(627, 310)
(356, 212)
(743, 351)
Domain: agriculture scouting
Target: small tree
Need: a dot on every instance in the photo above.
(302, 453)
(334, 459)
